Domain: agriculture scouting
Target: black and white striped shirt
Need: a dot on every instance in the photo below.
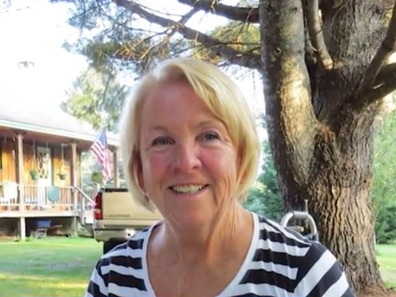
(279, 263)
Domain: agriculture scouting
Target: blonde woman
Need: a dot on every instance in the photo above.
(191, 150)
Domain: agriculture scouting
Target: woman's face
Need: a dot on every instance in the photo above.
(189, 164)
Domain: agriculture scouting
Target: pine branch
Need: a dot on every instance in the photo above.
(242, 14)
(249, 60)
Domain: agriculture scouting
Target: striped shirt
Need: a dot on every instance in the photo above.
(279, 263)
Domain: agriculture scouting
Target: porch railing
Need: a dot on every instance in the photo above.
(86, 205)
(37, 197)
(46, 198)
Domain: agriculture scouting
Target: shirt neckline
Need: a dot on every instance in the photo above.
(234, 282)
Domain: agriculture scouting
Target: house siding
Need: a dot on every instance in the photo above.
(9, 163)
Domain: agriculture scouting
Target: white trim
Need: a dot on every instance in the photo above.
(55, 132)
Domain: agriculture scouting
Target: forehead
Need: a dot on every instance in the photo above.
(169, 93)
(174, 101)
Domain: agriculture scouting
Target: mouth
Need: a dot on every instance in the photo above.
(187, 189)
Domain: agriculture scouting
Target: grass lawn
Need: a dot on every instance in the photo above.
(386, 256)
(47, 267)
(62, 266)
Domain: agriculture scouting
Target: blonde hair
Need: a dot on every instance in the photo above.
(218, 92)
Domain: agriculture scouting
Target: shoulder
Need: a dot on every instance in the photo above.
(122, 266)
(320, 273)
(282, 238)
(282, 248)
(312, 267)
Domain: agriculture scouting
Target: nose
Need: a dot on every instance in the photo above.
(186, 158)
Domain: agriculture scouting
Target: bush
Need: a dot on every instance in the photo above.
(385, 225)
(265, 198)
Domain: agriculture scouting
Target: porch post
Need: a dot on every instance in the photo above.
(74, 183)
(116, 172)
(20, 181)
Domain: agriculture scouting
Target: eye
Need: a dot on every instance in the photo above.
(161, 141)
(210, 136)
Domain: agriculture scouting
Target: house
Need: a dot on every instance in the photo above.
(40, 175)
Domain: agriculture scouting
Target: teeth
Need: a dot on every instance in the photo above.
(190, 189)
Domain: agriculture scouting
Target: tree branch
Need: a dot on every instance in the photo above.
(250, 60)
(242, 14)
(387, 71)
(311, 11)
(382, 54)
(291, 123)
(381, 91)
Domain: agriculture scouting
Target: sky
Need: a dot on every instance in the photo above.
(36, 34)
(35, 30)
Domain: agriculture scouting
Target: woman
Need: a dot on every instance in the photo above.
(191, 150)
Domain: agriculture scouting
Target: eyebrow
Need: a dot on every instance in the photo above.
(209, 123)
(159, 128)
(201, 124)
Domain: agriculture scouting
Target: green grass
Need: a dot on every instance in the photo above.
(62, 267)
(386, 257)
(47, 267)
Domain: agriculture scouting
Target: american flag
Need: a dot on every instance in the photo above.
(100, 150)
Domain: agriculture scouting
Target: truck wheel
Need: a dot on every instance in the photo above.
(108, 246)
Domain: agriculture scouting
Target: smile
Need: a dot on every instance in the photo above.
(188, 189)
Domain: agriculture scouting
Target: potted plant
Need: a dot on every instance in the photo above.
(34, 174)
(62, 175)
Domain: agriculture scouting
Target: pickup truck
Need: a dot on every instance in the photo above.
(117, 217)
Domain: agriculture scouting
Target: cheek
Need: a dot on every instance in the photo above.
(223, 168)
(154, 167)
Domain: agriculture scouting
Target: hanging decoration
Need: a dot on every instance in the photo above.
(62, 173)
(33, 172)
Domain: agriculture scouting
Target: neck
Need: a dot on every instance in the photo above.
(204, 243)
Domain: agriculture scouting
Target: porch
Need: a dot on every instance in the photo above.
(43, 200)
(41, 177)
(52, 203)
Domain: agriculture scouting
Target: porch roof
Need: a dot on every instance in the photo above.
(28, 115)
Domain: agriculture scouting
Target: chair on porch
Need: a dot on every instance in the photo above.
(53, 194)
(10, 193)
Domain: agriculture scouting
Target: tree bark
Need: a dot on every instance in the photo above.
(322, 144)
(338, 191)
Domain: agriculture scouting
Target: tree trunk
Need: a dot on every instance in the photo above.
(338, 192)
(321, 137)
